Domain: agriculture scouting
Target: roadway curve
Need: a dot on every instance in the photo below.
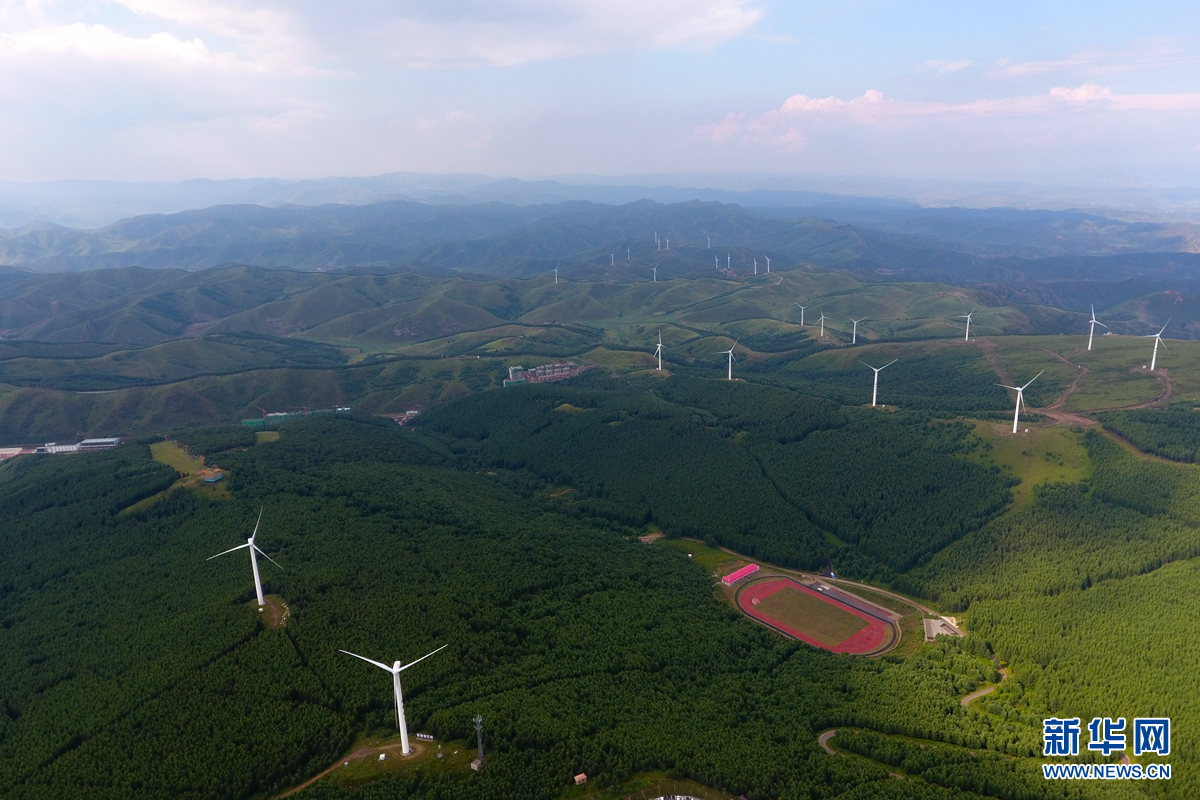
(986, 690)
(1054, 412)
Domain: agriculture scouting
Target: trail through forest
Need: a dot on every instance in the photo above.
(360, 753)
(986, 690)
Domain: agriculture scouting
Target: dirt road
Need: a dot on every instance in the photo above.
(1054, 412)
(987, 690)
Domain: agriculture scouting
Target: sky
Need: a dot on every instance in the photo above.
(1096, 93)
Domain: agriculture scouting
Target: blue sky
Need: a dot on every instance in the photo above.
(1080, 93)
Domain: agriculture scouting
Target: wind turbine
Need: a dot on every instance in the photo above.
(628, 257)
(768, 258)
(1157, 337)
(396, 669)
(1020, 390)
(854, 336)
(801, 313)
(716, 263)
(612, 259)
(253, 548)
(875, 388)
(728, 259)
(655, 269)
(822, 321)
(756, 266)
(967, 317)
(668, 241)
(729, 352)
(1096, 322)
(556, 276)
(709, 241)
(658, 351)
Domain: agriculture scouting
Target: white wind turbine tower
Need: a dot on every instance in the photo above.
(668, 244)
(729, 352)
(875, 388)
(709, 241)
(854, 336)
(655, 270)
(658, 351)
(967, 317)
(716, 263)
(1092, 329)
(768, 258)
(253, 548)
(822, 321)
(396, 669)
(628, 256)
(728, 260)
(612, 259)
(801, 313)
(756, 266)
(1157, 337)
(556, 276)
(1020, 390)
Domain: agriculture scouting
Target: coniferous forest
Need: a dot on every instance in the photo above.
(505, 526)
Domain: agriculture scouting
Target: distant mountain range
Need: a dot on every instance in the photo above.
(501, 239)
(94, 204)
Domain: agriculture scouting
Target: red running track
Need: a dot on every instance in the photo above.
(868, 640)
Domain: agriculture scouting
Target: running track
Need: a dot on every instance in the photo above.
(879, 635)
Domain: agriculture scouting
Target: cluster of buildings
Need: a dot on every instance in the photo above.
(543, 374)
(87, 445)
(277, 418)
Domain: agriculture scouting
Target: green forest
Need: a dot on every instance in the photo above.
(135, 669)
(505, 525)
(1173, 432)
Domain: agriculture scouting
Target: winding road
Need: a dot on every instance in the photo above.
(986, 690)
(1054, 412)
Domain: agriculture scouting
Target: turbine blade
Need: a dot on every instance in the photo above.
(1006, 386)
(893, 361)
(256, 524)
(1098, 322)
(422, 658)
(1035, 377)
(230, 550)
(369, 661)
(868, 366)
(267, 557)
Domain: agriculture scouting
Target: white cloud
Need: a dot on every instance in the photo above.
(514, 32)
(1144, 55)
(787, 126)
(940, 67)
(104, 44)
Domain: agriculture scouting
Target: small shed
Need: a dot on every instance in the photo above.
(581, 779)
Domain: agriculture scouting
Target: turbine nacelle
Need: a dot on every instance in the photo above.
(253, 547)
(395, 669)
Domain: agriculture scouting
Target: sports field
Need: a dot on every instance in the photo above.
(820, 618)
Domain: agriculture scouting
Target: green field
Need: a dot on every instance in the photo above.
(1043, 455)
(811, 616)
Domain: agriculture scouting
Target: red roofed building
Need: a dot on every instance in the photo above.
(737, 575)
